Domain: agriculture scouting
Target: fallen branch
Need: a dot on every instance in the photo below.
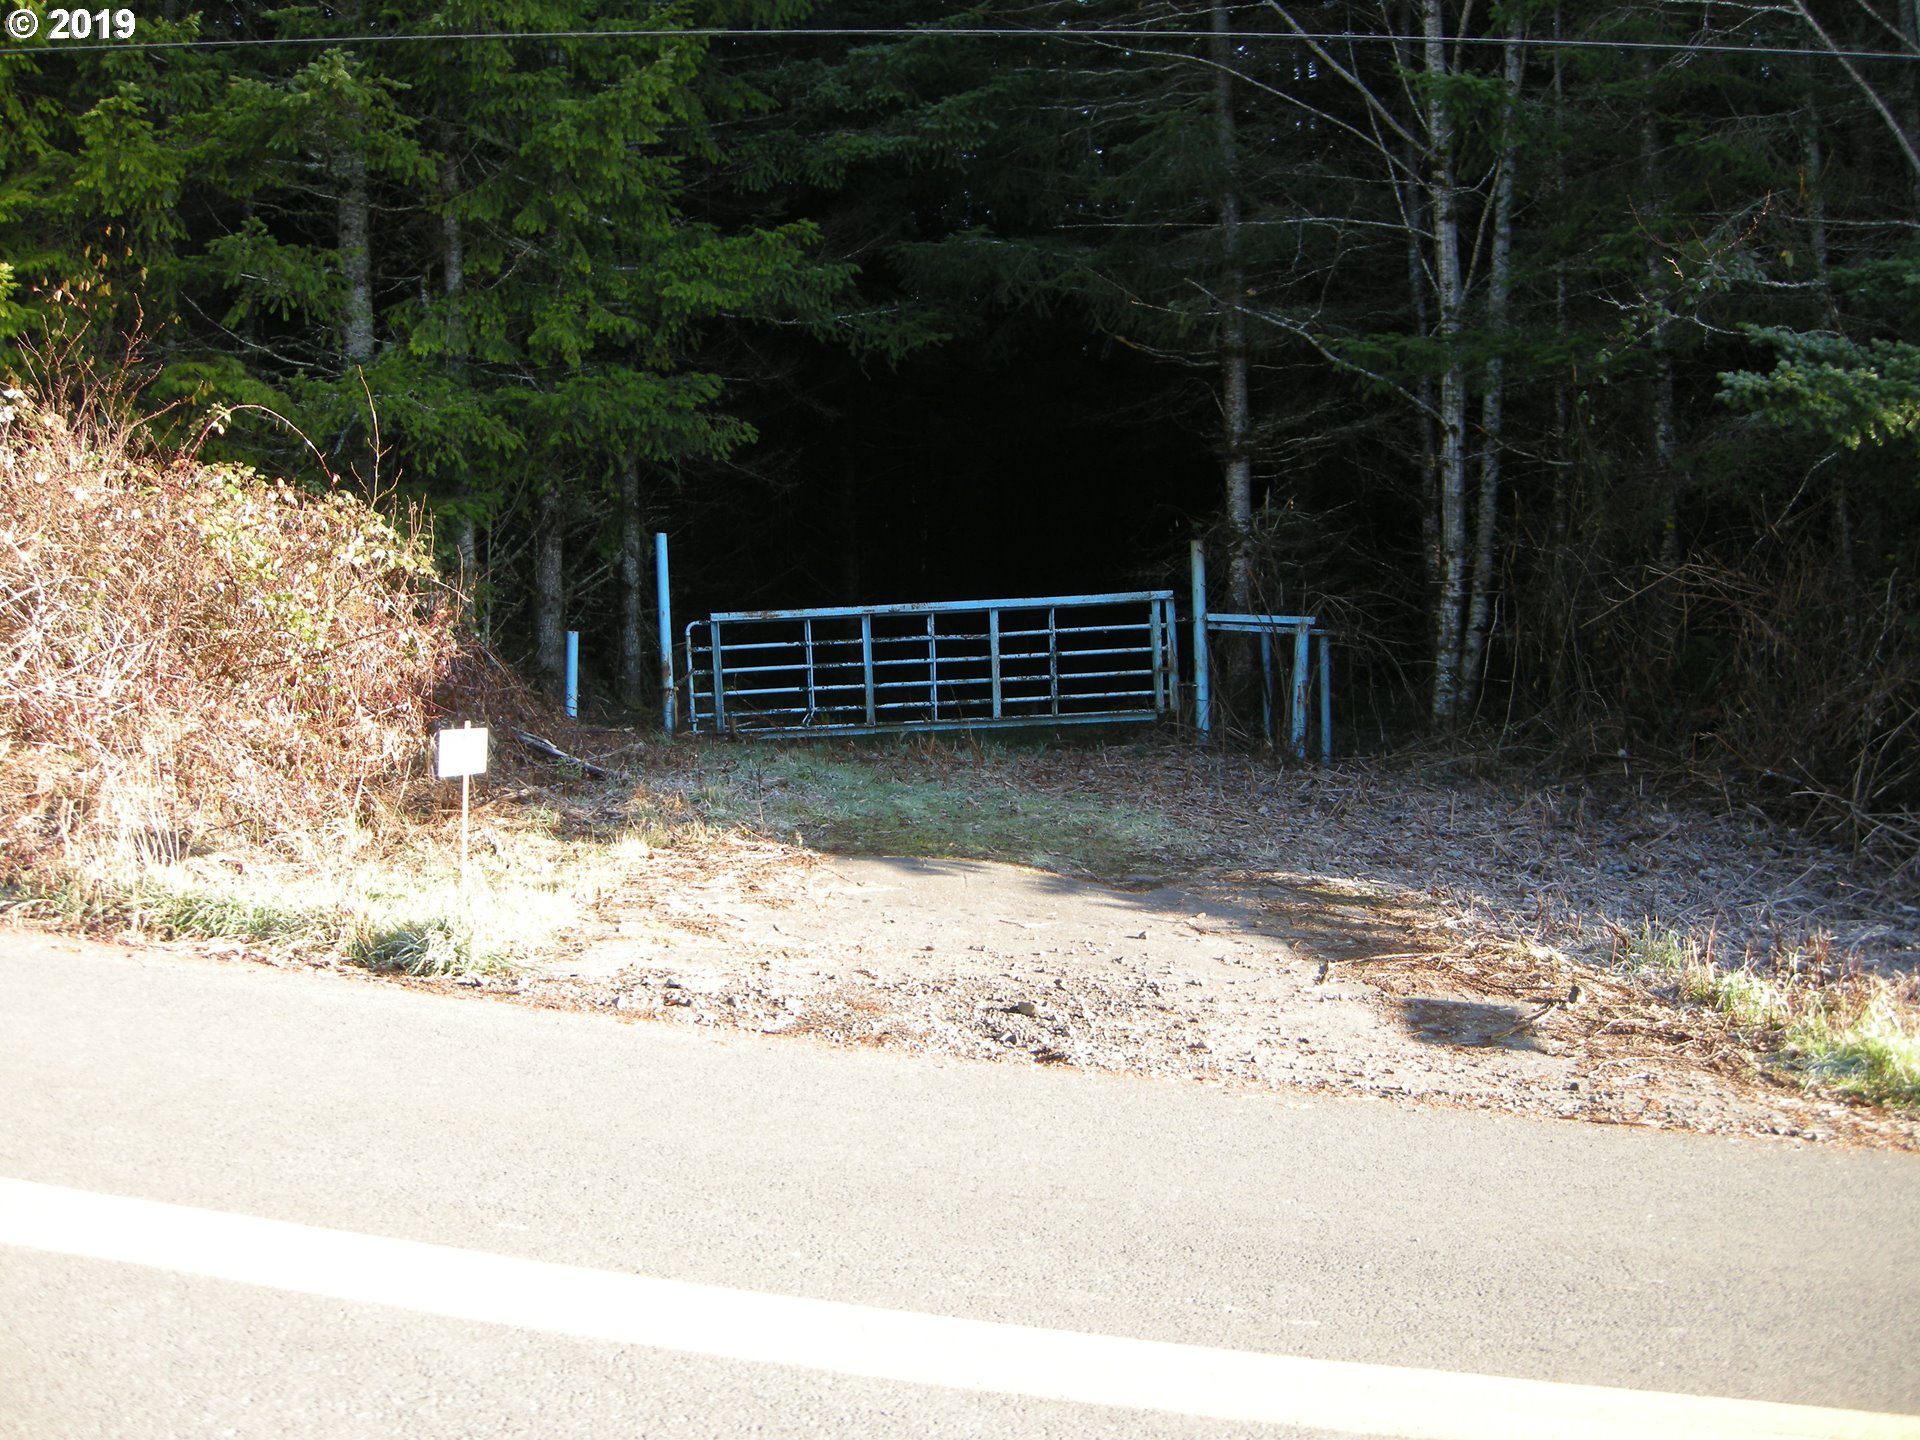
(547, 747)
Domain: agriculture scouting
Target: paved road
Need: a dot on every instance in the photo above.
(347, 1114)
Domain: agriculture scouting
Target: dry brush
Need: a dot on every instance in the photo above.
(193, 656)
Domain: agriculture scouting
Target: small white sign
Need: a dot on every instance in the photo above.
(460, 752)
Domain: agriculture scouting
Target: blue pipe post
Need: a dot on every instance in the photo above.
(573, 673)
(993, 659)
(866, 669)
(1266, 684)
(1202, 689)
(1297, 701)
(664, 604)
(719, 679)
(1326, 702)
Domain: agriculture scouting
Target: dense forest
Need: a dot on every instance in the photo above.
(1560, 357)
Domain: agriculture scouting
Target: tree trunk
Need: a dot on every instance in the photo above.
(1235, 409)
(1557, 615)
(633, 600)
(1492, 404)
(453, 282)
(466, 550)
(453, 263)
(356, 257)
(1562, 412)
(549, 593)
(1666, 479)
(1819, 248)
(1423, 389)
(1665, 454)
(1910, 40)
(1412, 200)
(355, 456)
(1443, 187)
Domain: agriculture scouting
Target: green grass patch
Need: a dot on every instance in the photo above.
(213, 914)
(1850, 1035)
(398, 907)
(432, 945)
(1873, 1052)
(1746, 998)
(926, 799)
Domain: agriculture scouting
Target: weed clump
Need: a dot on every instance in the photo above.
(1848, 1033)
(195, 657)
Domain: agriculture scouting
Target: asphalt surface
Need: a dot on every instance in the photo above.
(1253, 1222)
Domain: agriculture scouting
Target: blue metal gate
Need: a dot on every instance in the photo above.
(968, 664)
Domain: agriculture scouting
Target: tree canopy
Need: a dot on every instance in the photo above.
(1563, 357)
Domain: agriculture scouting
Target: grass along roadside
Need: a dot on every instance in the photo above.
(391, 906)
(1845, 1033)
(545, 857)
(393, 903)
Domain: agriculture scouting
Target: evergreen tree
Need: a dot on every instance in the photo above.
(473, 268)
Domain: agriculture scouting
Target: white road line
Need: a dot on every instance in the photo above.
(885, 1344)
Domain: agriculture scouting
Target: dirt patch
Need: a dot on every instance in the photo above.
(1411, 929)
(1246, 979)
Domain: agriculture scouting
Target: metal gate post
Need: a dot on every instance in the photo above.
(1159, 660)
(993, 657)
(719, 683)
(866, 661)
(573, 673)
(693, 680)
(1326, 703)
(664, 604)
(933, 670)
(1266, 684)
(1202, 691)
(1171, 621)
(813, 703)
(1297, 702)
(1053, 659)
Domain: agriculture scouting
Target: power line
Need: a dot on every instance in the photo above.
(978, 32)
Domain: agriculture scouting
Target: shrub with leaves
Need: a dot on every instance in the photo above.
(192, 655)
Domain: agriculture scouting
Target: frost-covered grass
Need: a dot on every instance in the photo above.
(933, 798)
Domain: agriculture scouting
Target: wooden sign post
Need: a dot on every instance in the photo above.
(461, 753)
